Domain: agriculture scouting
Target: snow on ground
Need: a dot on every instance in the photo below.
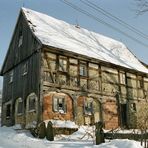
(10, 138)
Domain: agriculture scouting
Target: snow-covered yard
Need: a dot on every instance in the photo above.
(10, 138)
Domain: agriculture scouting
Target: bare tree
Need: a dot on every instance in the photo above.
(142, 6)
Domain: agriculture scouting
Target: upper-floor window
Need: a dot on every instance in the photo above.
(140, 82)
(122, 78)
(63, 64)
(59, 104)
(83, 69)
(11, 76)
(25, 68)
(20, 41)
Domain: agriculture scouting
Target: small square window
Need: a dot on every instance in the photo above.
(83, 70)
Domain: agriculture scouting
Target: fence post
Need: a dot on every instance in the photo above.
(99, 133)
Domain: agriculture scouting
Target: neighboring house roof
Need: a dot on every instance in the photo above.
(59, 34)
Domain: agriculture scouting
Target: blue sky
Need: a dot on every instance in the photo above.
(124, 9)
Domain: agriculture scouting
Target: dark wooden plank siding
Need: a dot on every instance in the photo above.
(15, 53)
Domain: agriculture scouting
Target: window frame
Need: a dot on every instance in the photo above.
(19, 107)
(88, 107)
(63, 67)
(83, 69)
(30, 108)
(56, 104)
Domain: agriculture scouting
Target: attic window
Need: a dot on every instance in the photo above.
(20, 42)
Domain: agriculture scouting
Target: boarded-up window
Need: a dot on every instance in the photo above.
(59, 104)
(63, 64)
(20, 106)
(83, 69)
(8, 110)
(32, 103)
(88, 106)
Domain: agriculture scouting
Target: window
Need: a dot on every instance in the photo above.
(20, 42)
(32, 103)
(88, 107)
(20, 106)
(122, 78)
(140, 82)
(25, 69)
(133, 106)
(59, 104)
(63, 64)
(83, 70)
(8, 111)
(11, 76)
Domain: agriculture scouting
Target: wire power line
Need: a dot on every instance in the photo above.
(102, 22)
(112, 17)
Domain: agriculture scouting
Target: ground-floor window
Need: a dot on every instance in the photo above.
(59, 104)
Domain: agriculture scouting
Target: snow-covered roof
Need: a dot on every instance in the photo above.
(59, 34)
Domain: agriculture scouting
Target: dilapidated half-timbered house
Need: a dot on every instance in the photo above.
(57, 71)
